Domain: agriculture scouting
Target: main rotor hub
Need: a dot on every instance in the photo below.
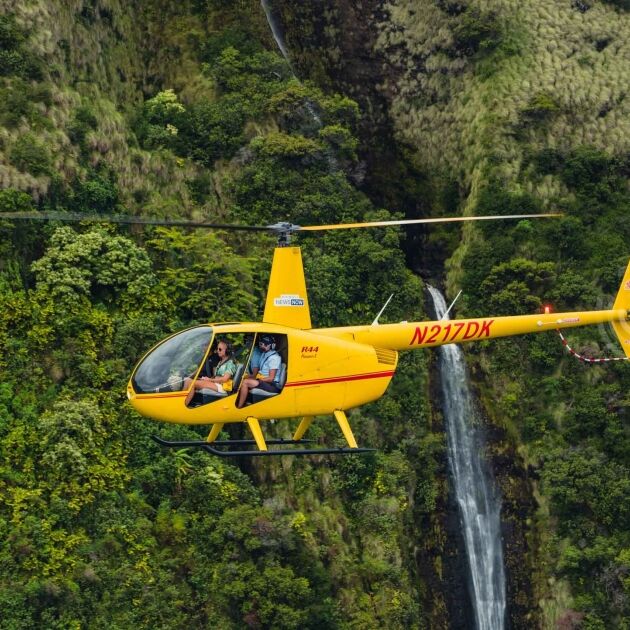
(284, 229)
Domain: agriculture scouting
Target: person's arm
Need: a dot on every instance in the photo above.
(267, 379)
(230, 371)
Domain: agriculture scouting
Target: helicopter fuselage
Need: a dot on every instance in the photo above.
(323, 373)
(332, 369)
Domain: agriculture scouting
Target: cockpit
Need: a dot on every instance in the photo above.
(166, 366)
(190, 364)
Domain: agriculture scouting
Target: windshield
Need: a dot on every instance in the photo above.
(166, 366)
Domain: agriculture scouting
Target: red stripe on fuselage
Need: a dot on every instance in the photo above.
(321, 381)
(162, 395)
(340, 379)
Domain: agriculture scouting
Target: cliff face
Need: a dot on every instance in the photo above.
(467, 96)
(465, 84)
(109, 56)
(460, 93)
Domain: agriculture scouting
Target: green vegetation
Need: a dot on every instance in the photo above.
(15, 58)
(186, 110)
(30, 156)
(100, 527)
(476, 31)
(572, 417)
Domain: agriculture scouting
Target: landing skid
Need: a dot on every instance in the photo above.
(209, 447)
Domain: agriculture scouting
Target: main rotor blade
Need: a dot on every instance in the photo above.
(278, 228)
(347, 226)
(125, 219)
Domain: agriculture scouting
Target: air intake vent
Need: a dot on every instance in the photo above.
(388, 357)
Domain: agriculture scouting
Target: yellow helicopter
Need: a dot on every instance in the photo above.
(283, 368)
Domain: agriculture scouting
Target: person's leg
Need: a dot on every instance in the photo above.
(201, 383)
(246, 385)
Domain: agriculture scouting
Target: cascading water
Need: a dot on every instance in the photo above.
(479, 504)
(474, 489)
(276, 31)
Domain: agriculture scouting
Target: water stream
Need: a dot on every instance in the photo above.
(473, 483)
(278, 35)
(276, 30)
(478, 502)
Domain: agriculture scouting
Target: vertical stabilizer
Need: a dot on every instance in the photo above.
(287, 302)
(622, 329)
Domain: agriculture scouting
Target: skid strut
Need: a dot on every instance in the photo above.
(222, 448)
(216, 448)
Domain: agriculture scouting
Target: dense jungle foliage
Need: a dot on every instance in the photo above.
(187, 110)
(571, 417)
(98, 526)
(509, 107)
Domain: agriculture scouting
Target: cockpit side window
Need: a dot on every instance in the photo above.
(222, 371)
(266, 371)
(169, 364)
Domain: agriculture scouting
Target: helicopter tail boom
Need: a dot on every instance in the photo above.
(416, 335)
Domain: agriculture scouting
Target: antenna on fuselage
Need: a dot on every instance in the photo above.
(448, 310)
(375, 322)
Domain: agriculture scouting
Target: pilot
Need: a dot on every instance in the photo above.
(264, 370)
(223, 372)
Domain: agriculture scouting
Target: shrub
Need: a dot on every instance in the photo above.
(587, 167)
(477, 31)
(338, 137)
(163, 108)
(15, 59)
(97, 194)
(29, 156)
(11, 35)
(622, 4)
(286, 146)
(159, 122)
(201, 187)
(83, 122)
(540, 108)
(211, 131)
(546, 162)
(15, 201)
(235, 38)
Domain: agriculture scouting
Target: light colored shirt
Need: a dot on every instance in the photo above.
(269, 361)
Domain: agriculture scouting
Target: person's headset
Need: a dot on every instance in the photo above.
(267, 340)
(229, 350)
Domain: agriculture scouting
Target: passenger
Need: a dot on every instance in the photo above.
(223, 372)
(264, 370)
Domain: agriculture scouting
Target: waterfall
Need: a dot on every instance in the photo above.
(478, 502)
(278, 35)
(277, 32)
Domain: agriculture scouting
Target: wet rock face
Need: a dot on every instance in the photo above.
(517, 510)
(334, 43)
(467, 84)
(339, 45)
